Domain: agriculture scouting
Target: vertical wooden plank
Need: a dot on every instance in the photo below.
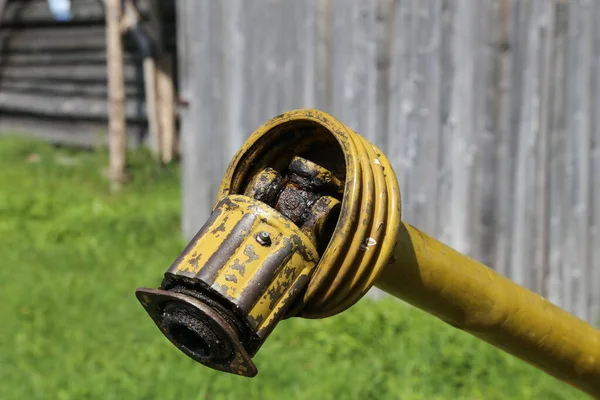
(266, 35)
(462, 123)
(400, 100)
(151, 95)
(189, 50)
(384, 31)
(234, 50)
(540, 265)
(278, 59)
(2, 6)
(166, 109)
(419, 71)
(306, 66)
(297, 50)
(116, 94)
(528, 129)
(323, 70)
(594, 280)
(413, 121)
(254, 87)
(585, 163)
(496, 244)
(201, 130)
(183, 94)
(184, 51)
(483, 198)
(423, 124)
(432, 94)
(360, 47)
(444, 159)
(580, 130)
(569, 266)
(557, 207)
(214, 100)
(354, 61)
(150, 70)
(513, 33)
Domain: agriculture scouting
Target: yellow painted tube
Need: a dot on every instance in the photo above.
(413, 266)
(369, 245)
(474, 298)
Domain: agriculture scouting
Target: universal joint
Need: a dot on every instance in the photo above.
(306, 221)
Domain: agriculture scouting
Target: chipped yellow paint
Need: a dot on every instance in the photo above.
(192, 262)
(272, 317)
(279, 289)
(205, 246)
(239, 271)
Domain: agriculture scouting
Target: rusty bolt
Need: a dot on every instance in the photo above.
(264, 238)
(291, 202)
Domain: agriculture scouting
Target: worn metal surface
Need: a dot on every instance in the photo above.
(370, 210)
(267, 280)
(250, 260)
(199, 330)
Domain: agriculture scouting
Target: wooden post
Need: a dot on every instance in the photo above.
(150, 73)
(130, 20)
(116, 94)
(166, 106)
(2, 6)
(151, 80)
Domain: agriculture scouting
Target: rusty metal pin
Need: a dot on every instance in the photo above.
(264, 238)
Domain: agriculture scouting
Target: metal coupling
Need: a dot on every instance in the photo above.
(304, 222)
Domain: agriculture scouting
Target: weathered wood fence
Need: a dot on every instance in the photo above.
(53, 79)
(488, 109)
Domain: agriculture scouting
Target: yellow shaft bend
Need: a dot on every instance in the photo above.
(476, 299)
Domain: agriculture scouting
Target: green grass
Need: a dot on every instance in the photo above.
(72, 255)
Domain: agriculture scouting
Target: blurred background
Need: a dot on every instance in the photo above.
(119, 117)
